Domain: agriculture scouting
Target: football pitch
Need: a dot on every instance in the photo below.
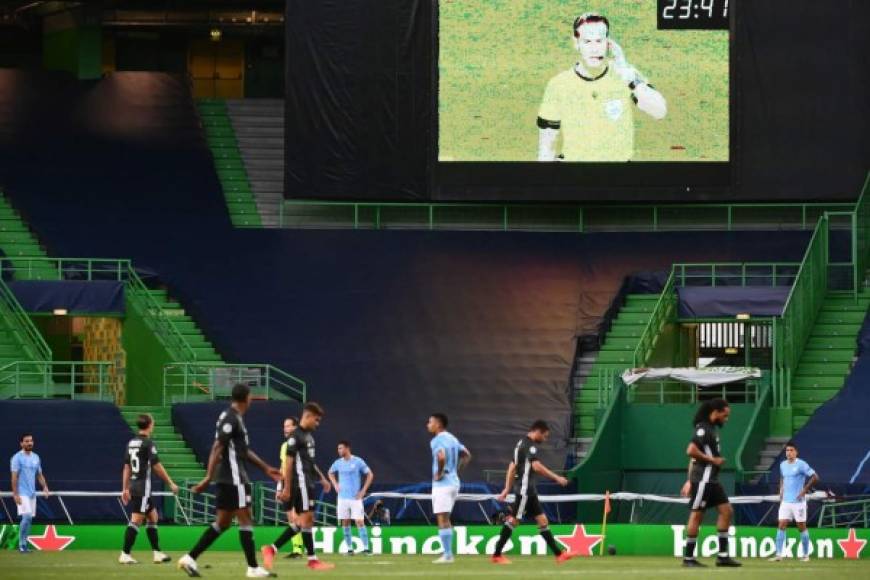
(102, 565)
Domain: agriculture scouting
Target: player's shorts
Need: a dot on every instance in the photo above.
(141, 504)
(301, 500)
(526, 506)
(796, 511)
(443, 498)
(350, 509)
(706, 494)
(233, 497)
(27, 507)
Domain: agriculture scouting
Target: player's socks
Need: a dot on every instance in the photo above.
(151, 531)
(130, 537)
(805, 542)
(24, 531)
(308, 542)
(723, 544)
(446, 535)
(246, 538)
(551, 541)
(689, 550)
(506, 531)
(208, 537)
(348, 539)
(780, 541)
(286, 536)
(364, 536)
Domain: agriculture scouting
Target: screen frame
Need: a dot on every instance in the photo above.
(536, 182)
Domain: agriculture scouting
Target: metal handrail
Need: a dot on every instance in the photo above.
(27, 334)
(661, 311)
(88, 269)
(748, 271)
(47, 379)
(859, 517)
(183, 382)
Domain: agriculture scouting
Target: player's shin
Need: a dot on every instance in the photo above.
(348, 538)
(805, 543)
(208, 537)
(551, 541)
(689, 550)
(308, 542)
(151, 531)
(286, 536)
(723, 543)
(364, 536)
(446, 535)
(130, 537)
(246, 539)
(780, 541)
(506, 531)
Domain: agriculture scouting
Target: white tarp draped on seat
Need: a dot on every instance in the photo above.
(703, 377)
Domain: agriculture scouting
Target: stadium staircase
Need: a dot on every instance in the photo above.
(230, 167)
(18, 242)
(246, 137)
(178, 459)
(193, 336)
(828, 355)
(616, 354)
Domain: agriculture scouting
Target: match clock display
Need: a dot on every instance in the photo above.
(693, 14)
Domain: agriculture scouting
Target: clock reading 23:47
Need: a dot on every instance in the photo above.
(693, 14)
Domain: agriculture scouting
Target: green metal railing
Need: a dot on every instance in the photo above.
(861, 234)
(552, 217)
(186, 382)
(736, 274)
(23, 330)
(752, 441)
(845, 514)
(88, 269)
(799, 313)
(664, 313)
(673, 392)
(49, 379)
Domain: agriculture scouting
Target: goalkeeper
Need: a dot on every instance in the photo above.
(591, 104)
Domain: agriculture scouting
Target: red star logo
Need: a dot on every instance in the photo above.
(852, 546)
(49, 541)
(579, 542)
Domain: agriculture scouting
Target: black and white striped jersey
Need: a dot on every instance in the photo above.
(233, 437)
(706, 439)
(525, 453)
(300, 446)
(141, 456)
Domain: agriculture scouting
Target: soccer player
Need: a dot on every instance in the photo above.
(448, 457)
(226, 467)
(351, 491)
(269, 552)
(591, 103)
(141, 458)
(521, 476)
(796, 479)
(703, 488)
(299, 475)
(26, 468)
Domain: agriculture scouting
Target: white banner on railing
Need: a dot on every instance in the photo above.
(703, 377)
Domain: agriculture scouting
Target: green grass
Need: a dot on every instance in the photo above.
(496, 57)
(102, 565)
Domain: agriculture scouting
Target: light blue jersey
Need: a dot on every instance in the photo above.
(794, 477)
(452, 448)
(26, 465)
(350, 473)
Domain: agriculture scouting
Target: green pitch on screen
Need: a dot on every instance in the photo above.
(496, 57)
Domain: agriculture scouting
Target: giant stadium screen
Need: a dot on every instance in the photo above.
(582, 81)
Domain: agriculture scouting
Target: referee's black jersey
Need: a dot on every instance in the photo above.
(525, 453)
(706, 439)
(141, 456)
(232, 434)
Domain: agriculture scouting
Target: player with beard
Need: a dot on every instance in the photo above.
(703, 488)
